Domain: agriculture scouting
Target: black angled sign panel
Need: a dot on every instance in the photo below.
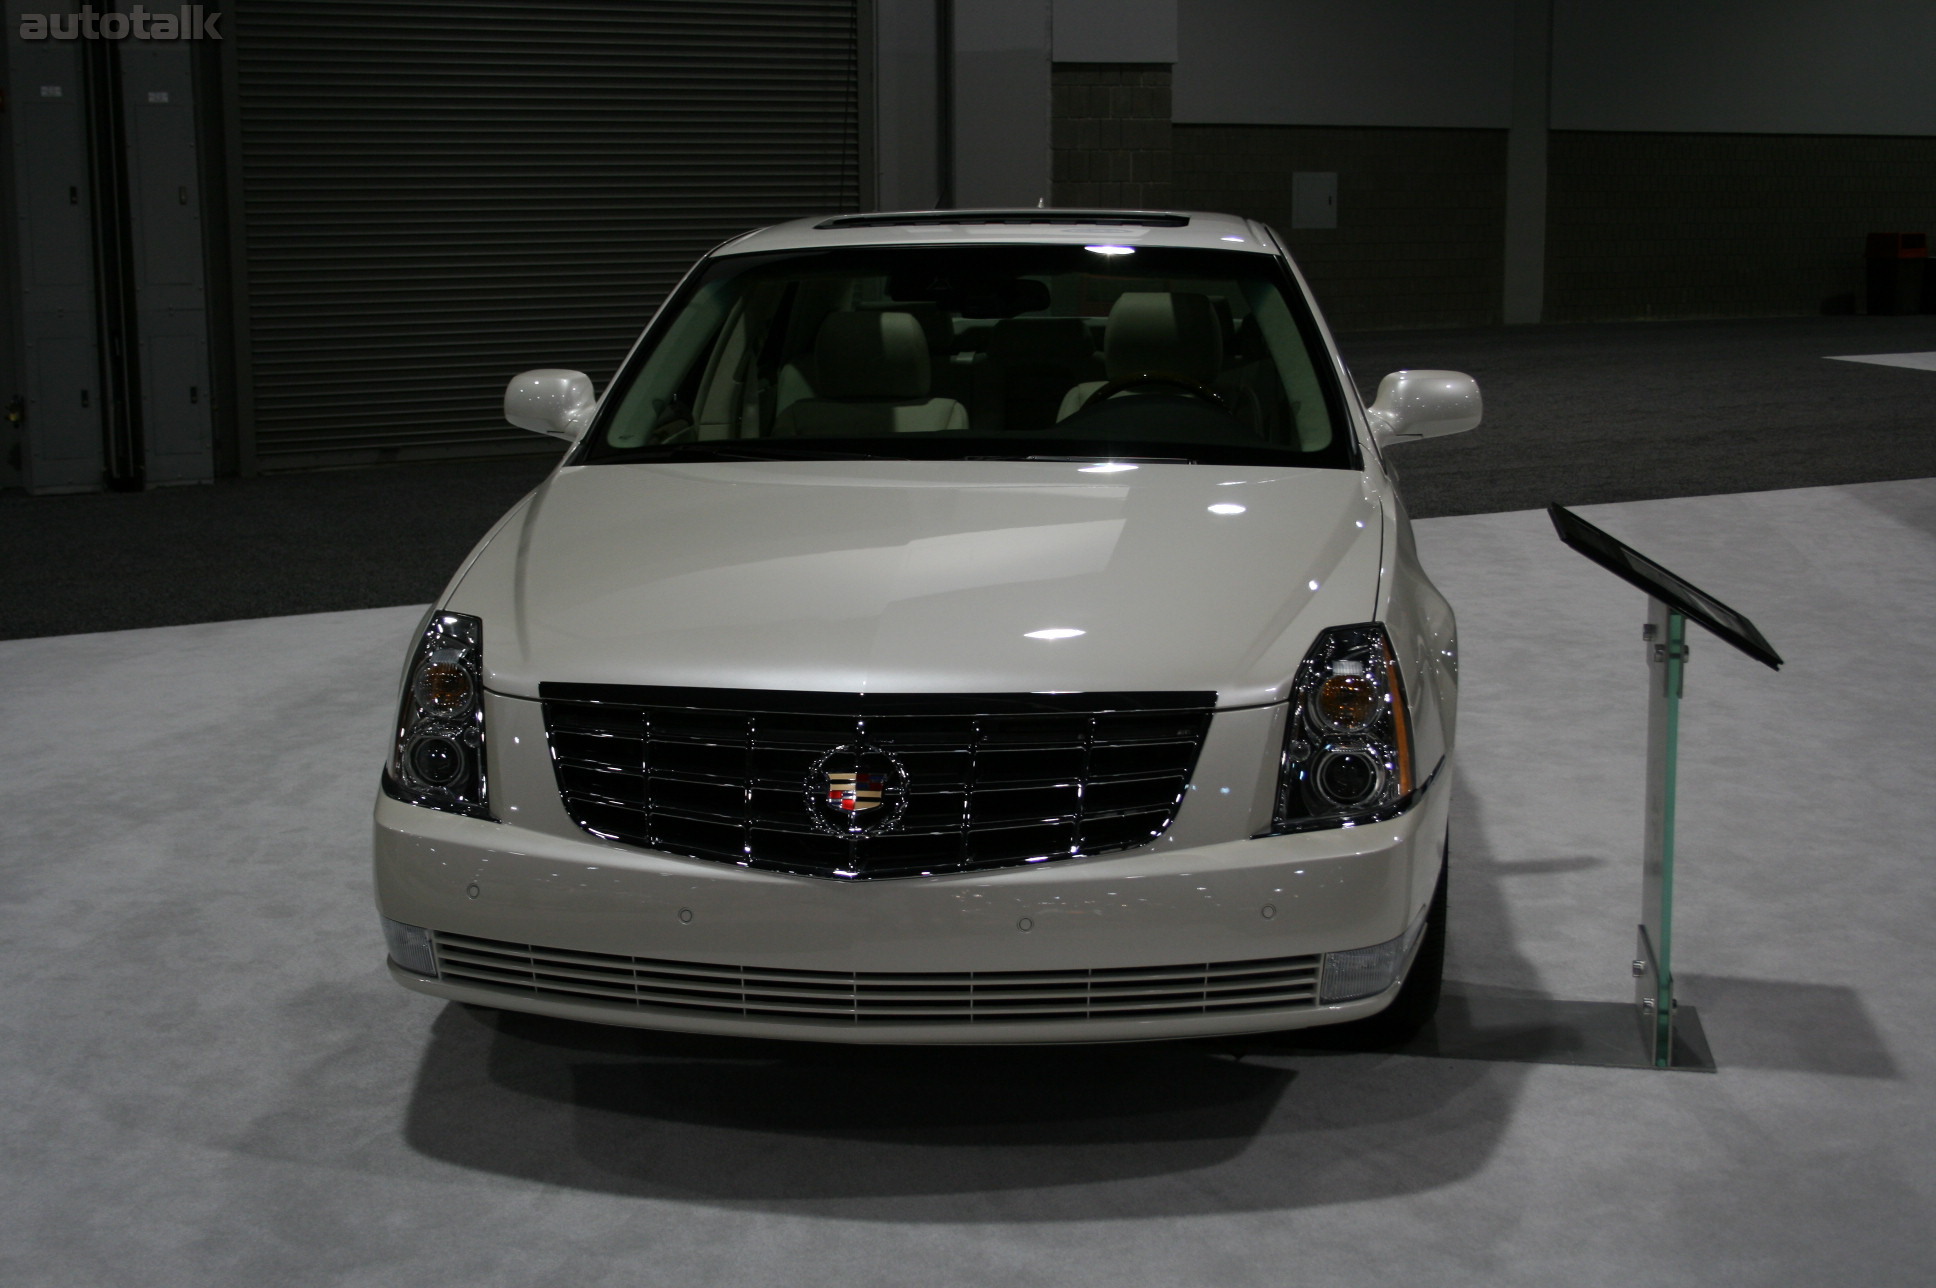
(1628, 564)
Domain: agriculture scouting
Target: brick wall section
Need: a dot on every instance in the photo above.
(1421, 213)
(1724, 225)
(1110, 135)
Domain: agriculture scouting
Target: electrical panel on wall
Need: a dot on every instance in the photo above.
(165, 226)
(57, 327)
(111, 310)
(1314, 199)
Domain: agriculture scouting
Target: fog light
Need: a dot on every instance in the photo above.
(410, 947)
(1359, 973)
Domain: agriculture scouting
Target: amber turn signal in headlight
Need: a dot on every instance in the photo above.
(1347, 700)
(444, 686)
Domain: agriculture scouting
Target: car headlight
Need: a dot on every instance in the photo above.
(437, 760)
(1347, 755)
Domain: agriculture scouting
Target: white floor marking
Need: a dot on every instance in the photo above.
(1919, 361)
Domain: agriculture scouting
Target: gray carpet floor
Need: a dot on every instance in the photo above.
(210, 1081)
(1575, 414)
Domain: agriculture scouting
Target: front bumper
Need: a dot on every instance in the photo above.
(535, 915)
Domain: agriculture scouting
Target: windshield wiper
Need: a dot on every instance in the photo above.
(1124, 460)
(735, 451)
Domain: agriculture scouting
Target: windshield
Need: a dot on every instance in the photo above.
(980, 352)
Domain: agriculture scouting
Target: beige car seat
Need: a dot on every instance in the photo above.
(1031, 364)
(871, 376)
(1161, 332)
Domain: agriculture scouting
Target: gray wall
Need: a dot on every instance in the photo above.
(1745, 66)
(1005, 97)
(1657, 158)
(1114, 31)
(1714, 66)
(907, 86)
(1677, 224)
(1420, 213)
(1002, 102)
(1410, 103)
(1444, 63)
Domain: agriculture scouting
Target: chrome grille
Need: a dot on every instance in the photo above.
(868, 997)
(992, 780)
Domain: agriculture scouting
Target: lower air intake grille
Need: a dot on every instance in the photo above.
(883, 785)
(865, 997)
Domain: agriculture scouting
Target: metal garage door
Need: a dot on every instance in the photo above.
(437, 194)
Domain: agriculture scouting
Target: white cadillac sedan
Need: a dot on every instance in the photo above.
(948, 627)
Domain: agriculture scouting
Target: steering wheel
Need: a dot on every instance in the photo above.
(1194, 388)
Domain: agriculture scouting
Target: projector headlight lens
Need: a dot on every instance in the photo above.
(1348, 777)
(438, 757)
(1347, 755)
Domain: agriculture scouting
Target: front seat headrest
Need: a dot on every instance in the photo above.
(1177, 332)
(870, 355)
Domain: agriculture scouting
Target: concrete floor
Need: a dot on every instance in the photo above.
(210, 1081)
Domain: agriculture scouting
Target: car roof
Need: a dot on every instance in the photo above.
(1020, 226)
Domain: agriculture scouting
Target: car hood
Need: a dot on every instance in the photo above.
(910, 576)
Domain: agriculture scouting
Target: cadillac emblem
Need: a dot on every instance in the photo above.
(855, 789)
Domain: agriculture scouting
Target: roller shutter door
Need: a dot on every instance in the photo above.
(437, 194)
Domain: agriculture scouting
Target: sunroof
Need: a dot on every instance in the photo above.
(1114, 218)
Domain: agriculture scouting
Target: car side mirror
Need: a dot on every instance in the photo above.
(551, 401)
(1424, 404)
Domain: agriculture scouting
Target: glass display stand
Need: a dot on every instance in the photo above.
(1653, 967)
(1672, 601)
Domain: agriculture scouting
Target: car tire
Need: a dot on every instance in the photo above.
(1418, 997)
